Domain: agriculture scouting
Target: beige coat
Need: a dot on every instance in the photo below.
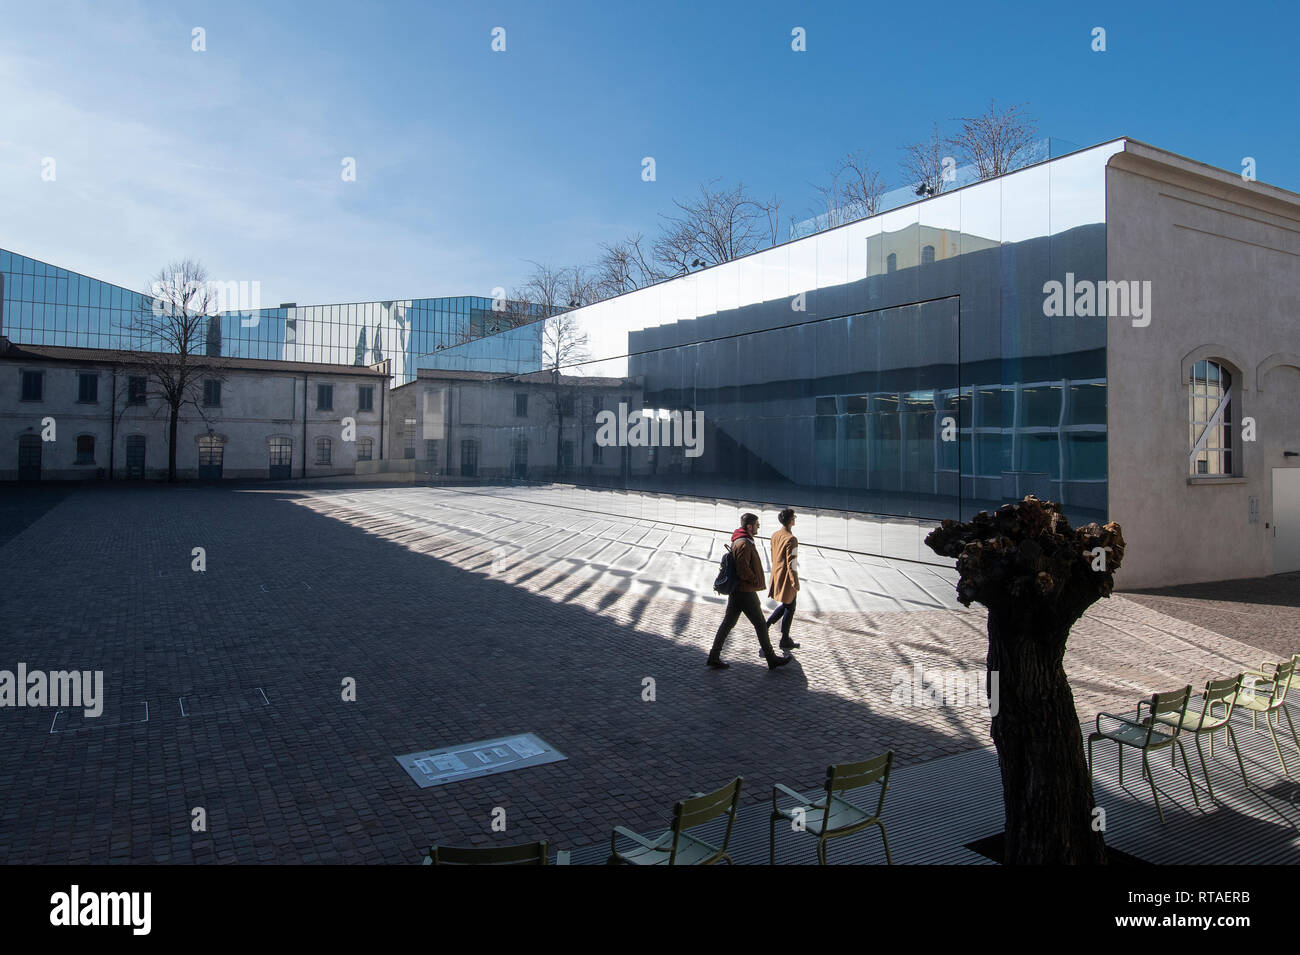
(749, 566)
(785, 572)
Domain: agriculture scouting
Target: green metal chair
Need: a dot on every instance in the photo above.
(531, 853)
(826, 815)
(677, 846)
(1157, 731)
(1217, 693)
(1270, 698)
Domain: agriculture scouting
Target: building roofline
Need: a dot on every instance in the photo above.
(113, 356)
(530, 378)
(264, 308)
(1194, 167)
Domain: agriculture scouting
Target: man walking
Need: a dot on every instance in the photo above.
(749, 571)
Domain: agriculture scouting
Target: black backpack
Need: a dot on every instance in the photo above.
(728, 580)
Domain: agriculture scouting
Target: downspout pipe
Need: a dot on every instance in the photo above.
(304, 424)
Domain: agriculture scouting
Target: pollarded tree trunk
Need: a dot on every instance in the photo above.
(1047, 796)
(1037, 576)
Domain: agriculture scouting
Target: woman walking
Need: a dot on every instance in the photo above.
(785, 577)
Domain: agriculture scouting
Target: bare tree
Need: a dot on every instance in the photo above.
(580, 286)
(853, 192)
(923, 163)
(545, 288)
(169, 331)
(625, 267)
(995, 142)
(717, 226)
(564, 345)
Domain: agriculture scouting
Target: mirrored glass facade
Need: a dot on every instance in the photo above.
(900, 365)
(46, 305)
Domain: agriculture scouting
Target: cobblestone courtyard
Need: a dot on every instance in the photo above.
(464, 616)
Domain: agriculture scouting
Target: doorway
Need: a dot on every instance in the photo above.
(29, 457)
(212, 451)
(1286, 520)
(135, 456)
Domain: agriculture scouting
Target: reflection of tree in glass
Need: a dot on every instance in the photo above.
(564, 347)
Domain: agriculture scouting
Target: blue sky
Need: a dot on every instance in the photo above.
(470, 163)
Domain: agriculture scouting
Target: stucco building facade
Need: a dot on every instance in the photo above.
(86, 414)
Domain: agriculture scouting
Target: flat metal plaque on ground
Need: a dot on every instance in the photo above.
(433, 767)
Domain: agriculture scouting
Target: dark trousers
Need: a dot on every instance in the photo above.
(784, 613)
(745, 602)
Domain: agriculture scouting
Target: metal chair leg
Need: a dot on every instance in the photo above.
(1232, 737)
(1152, 780)
(1205, 769)
(771, 841)
(1187, 766)
(889, 860)
(1294, 738)
(1276, 748)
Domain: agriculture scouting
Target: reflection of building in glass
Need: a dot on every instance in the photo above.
(537, 427)
(887, 373)
(41, 304)
(906, 365)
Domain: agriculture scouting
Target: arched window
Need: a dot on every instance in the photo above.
(212, 453)
(927, 254)
(323, 448)
(280, 450)
(891, 262)
(1210, 418)
(365, 449)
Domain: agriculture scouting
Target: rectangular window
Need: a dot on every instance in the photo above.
(521, 404)
(33, 385)
(431, 452)
(566, 405)
(135, 389)
(212, 394)
(85, 449)
(323, 448)
(409, 449)
(366, 398)
(88, 388)
(324, 397)
(596, 453)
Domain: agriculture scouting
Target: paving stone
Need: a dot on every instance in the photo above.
(399, 590)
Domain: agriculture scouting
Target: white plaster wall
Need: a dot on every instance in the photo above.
(1223, 257)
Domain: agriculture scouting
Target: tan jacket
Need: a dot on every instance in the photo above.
(785, 572)
(749, 566)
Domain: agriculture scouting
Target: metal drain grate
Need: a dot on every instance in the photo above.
(435, 767)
